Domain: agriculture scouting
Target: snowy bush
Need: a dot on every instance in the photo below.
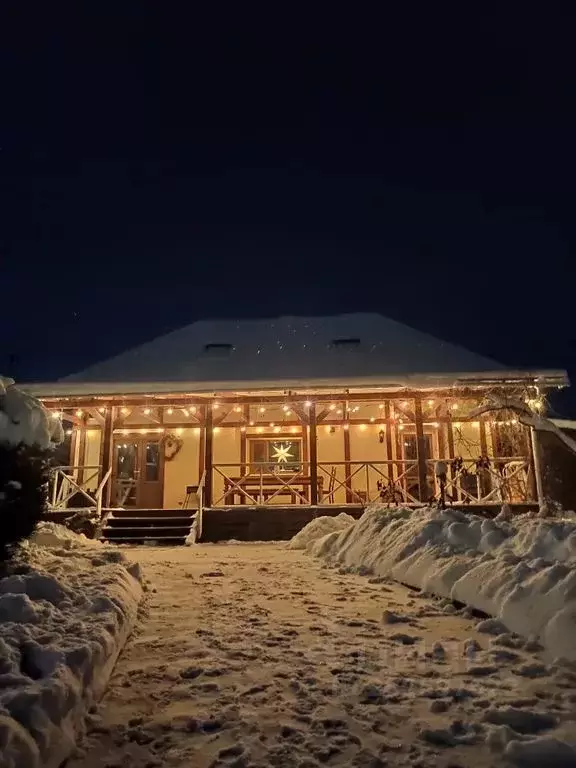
(26, 436)
(24, 472)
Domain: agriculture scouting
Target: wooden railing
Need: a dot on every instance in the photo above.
(64, 486)
(338, 482)
(491, 481)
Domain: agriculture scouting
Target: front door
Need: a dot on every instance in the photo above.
(138, 473)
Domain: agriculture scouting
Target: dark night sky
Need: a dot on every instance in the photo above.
(158, 168)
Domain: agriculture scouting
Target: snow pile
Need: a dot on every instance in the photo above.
(59, 537)
(521, 572)
(64, 617)
(319, 527)
(23, 418)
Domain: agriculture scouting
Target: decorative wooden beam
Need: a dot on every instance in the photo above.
(313, 456)
(346, 439)
(421, 448)
(244, 445)
(208, 460)
(95, 414)
(388, 431)
(107, 454)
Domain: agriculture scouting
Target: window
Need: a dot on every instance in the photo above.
(273, 456)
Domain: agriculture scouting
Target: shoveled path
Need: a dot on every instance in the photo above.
(254, 655)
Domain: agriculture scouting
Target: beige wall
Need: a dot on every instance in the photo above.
(331, 451)
(226, 450)
(92, 456)
(182, 470)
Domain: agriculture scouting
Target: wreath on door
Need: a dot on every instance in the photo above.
(172, 445)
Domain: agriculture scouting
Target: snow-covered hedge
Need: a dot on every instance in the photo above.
(319, 527)
(521, 571)
(64, 617)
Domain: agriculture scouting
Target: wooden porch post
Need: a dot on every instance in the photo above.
(346, 433)
(81, 449)
(313, 455)
(537, 464)
(209, 432)
(421, 447)
(107, 453)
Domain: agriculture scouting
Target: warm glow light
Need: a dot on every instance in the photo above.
(193, 409)
(251, 423)
(215, 406)
(381, 406)
(185, 412)
(142, 431)
(56, 414)
(404, 403)
(372, 419)
(430, 402)
(260, 430)
(216, 430)
(261, 409)
(284, 407)
(339, 411)
(401, 426)
(179, 431)
(346, 426)
(327, 428)
(102, 410)
(170, 411)
(124, 411)
(277, 429)
(123, 431)
(362, 427)
(454, 406)
(68, 432)
(160, 429)
(294, 430)
(272, 424)
(475, 423)
(237, 409)
(147, 411)
(457, 424)
(435, 424)
(79, 412)
(307, 403)
(288, 413)
(332, 407)
(242, 429)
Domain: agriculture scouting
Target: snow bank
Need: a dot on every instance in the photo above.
(320, 526)
(23, 418)
(58, 536)
(522, 572)
(64, 617)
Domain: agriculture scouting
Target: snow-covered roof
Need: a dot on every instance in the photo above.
(285, 352)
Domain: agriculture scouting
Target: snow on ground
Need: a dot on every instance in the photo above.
(522, 572)
(258, 655)
(320, 526)
(65, 614)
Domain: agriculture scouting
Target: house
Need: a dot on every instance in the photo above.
(273, 420)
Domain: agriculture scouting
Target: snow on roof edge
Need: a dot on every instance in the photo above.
(548, 378)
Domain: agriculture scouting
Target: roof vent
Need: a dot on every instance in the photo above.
(218, 350)
(352, 343)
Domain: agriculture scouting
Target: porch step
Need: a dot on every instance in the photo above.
(137, 526)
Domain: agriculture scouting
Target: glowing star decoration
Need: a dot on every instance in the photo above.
(282, 453)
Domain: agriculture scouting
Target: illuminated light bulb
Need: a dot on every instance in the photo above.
(193, 409)
(124, 411)
(372, 419)
(327, 428)
(430, 402)
(251, 423)
(262, 409)
(56, 415)
(346, 426)
(457, 425)
(147, 411)
(401, 426)
(332, 407)
(237, 409)
(68, 432)
(284, 407)
(179, 431)
(142, 431)
(123, 431)
(215, 406)
(170, 411)
(288, 413)
(454, 406)
(260, 430)
(435, 424)
(404, 403)
(216, 430)
(339, 411)
(307, 403)
(277, 429)
(79, 412)
(242, 429)
(272, 424)
(363, 427)
(381, 406)
(294, 430)
(102, 410)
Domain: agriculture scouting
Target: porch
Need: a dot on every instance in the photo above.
(288, 450)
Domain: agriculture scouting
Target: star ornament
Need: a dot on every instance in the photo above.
(282, 453)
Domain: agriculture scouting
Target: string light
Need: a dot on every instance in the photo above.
(454, 406)
(430, 402)
(332, 407)
(272, 424)
(262, 409)
(170, 411)
(259, 430)
(284, 407)
(339, 411)
(147, 411)
(237, 409)
(179, 431)
(294, 430)
(79, 412)
(401, 427)
(193, 409)
(307, 403)
(363, 427)
(124, 411)
(102, 410)
(68, 432)
(242, 429)
(277, 429)
(288, 413)
(215, 406)
(251, 423)
(216, 430)
(346, 426)
(381, 406)
(372, 419)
